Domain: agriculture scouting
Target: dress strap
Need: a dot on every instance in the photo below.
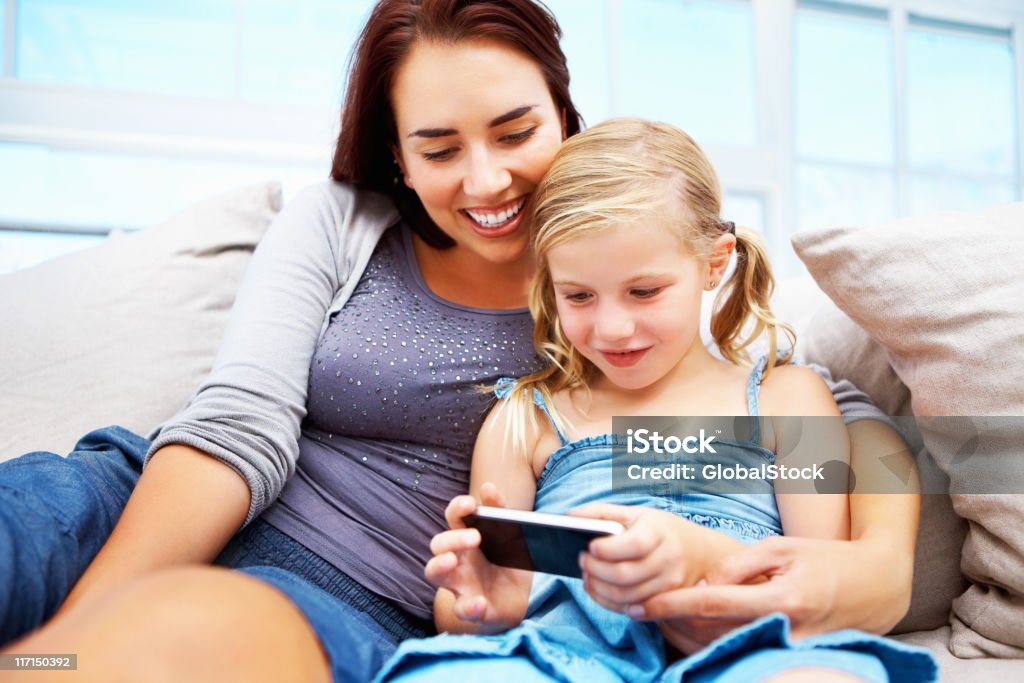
(753, 393)
(754, 387)
(503, 389)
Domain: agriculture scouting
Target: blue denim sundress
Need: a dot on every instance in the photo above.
(566, 636)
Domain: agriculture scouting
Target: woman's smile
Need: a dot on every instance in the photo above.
(496, 221)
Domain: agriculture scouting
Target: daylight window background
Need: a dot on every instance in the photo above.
(114, 114)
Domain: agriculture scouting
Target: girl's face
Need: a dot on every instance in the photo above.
(628, 299)
(477, 128)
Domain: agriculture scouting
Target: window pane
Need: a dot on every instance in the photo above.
(3, 42)
(297, 52)
(951, 194)
(830, 196)
(960, 101)
(184, 47)
(20, 249)
(690, 64)
(76, 189)
(585, 43)
(744, 209)
(844, 104)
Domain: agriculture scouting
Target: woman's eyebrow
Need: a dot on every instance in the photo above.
(497, 121)
(511, 115)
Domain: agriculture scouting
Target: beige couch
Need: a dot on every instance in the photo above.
(123, 333)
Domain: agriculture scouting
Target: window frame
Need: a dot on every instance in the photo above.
(91, 119)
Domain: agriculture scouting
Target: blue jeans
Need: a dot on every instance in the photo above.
(56, 513)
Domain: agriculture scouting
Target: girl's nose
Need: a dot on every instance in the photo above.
(614, 324)
(486, 178)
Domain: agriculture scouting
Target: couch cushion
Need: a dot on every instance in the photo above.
(942, 294)
(955, 670)
(123, 333)
(833, 340)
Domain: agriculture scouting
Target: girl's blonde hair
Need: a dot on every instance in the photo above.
(614, 174)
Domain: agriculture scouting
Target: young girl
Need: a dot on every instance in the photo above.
(627, 236)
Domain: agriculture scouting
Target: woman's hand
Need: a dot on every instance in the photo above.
(821, 585)
(657, 552)
(491, 597)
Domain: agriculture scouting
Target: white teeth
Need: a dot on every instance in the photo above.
(492, 219)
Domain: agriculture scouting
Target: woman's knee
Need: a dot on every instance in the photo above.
(191, 623)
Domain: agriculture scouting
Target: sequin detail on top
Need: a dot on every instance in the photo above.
(393, 411)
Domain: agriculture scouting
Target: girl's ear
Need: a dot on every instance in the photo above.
(565, 127)
(718, 262)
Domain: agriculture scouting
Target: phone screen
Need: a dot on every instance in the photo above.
(537, 547)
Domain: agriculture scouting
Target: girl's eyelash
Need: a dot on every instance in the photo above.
(646, 292)
(577, 297)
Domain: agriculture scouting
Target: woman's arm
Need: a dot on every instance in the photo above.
(236, 442)
(248, 412)
(184, 509)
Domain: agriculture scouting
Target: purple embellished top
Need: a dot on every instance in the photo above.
(393, 411)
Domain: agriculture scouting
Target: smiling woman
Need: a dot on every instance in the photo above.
(473, 154)
(393, 318)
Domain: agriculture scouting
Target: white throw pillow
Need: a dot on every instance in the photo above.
(123, 333)
(944, 295)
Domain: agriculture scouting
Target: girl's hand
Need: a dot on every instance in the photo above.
(657, 552)
(492, 597)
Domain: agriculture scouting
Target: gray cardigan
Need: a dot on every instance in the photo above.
(248, 411)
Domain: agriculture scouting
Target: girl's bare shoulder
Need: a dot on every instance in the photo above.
(796, 390)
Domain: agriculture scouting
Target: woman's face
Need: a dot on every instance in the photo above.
(477, 128)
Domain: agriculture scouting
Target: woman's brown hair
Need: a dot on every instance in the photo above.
(363, 155)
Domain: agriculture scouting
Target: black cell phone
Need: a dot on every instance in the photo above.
(538, 541)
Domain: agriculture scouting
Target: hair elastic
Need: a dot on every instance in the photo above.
(729, 227)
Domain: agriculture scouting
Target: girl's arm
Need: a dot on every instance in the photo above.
(822, 585)
(474, 595)
(660, 551)
(809, 430)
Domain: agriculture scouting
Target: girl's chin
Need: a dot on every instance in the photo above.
(625, 378)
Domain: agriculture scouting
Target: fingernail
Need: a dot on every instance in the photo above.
(636, 611)
(579, 559)
(702, 582)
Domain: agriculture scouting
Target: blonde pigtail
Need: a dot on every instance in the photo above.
(743, 309)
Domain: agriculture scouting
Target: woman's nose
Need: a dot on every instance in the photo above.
(486, 177)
